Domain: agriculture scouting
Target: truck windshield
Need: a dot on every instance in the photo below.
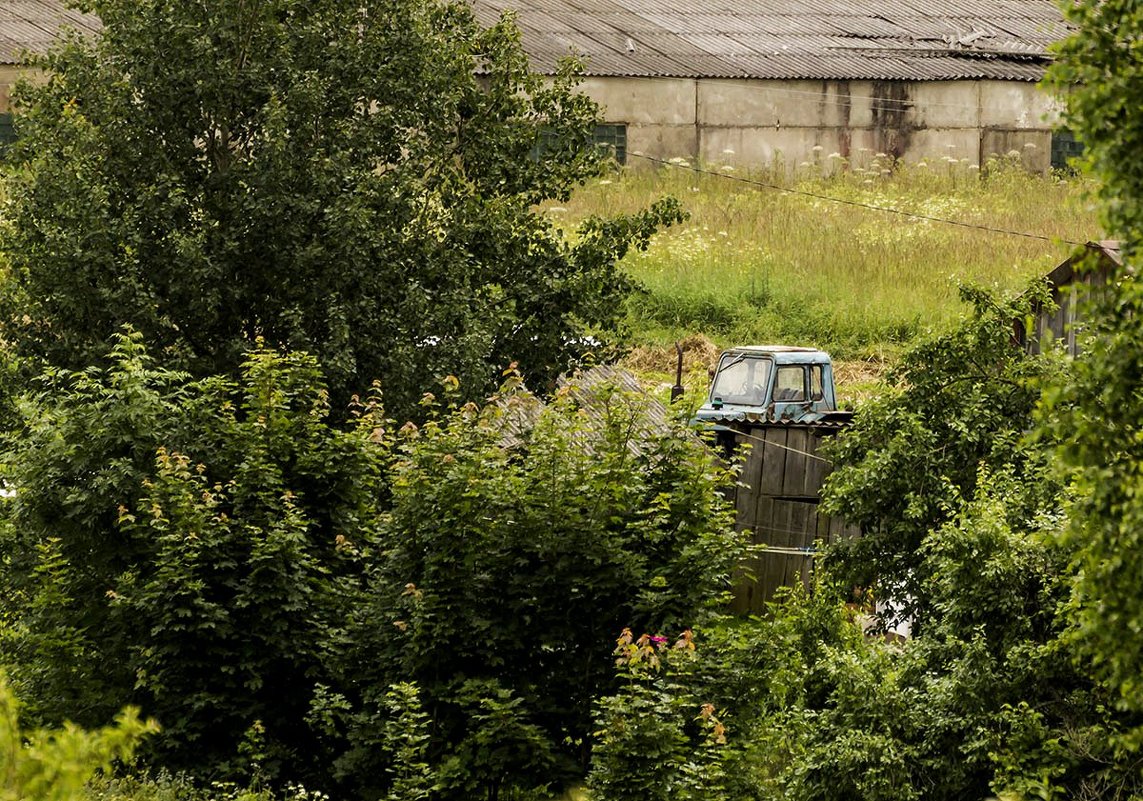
(742, 381)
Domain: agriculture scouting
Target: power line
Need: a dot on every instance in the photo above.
(843, 201)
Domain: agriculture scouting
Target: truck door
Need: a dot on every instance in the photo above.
(790, 391)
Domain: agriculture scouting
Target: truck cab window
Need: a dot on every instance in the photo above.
(817, 383)
(742, 381)
(790, 384)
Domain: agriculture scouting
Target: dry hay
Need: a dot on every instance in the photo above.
(699, 353)
(860, 371)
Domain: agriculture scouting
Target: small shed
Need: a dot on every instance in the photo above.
(1068, 284)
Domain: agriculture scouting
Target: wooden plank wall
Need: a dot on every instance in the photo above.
(1067, 319)
(777, 501)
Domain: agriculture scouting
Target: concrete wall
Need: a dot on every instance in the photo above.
(8, 75)
(751, 122)
(759, 122)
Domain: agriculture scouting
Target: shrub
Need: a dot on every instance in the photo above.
(503, 570)
(190, 547)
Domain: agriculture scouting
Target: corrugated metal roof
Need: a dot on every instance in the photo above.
(834, 422)
(780, 39)
(594, 392)
(34, 24)
(919, 40)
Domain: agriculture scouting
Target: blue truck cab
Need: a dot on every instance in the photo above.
(771, 383)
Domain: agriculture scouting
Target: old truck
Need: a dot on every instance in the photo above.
(772, 383)
(781, 403)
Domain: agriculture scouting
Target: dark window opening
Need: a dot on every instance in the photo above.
(610, 137)
(613, 137)
(7, 132)
(1065, 147)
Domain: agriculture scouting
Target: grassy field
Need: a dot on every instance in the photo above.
(758, 265)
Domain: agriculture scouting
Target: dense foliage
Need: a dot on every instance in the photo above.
(1099, 411)
(331, 175)
(958, 405)
(185, 546)
(961, 510)
(506, 570)
(259, 579)
(55, 765)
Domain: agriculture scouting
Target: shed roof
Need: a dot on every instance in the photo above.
(1069, 272)
(922, 40)
(33, 25)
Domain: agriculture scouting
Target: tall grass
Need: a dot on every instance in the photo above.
(761, 265)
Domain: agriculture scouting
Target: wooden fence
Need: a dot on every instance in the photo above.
(777, 501)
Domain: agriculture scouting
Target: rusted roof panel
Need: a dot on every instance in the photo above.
(834, 422)
(915, 40)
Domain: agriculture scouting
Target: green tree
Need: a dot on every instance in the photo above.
(353, 179)
(1099, 414)
(959, 402)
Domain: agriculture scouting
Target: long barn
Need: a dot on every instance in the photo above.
(753, 82)
(758, 81)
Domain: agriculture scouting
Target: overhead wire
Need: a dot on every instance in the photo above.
(772, 444)
(683, 165)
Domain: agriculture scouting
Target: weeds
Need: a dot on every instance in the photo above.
(761, 265)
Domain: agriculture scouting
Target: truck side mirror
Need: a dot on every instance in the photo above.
(716, 403)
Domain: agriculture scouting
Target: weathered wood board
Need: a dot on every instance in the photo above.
(777, 502)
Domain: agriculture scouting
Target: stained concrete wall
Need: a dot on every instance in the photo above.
(760, 122)
(752, 122)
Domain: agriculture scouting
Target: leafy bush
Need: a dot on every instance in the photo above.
(190, 547)
(988, 700)
(501, 572)
(54, 765)
(263, 582)
(656, 740)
